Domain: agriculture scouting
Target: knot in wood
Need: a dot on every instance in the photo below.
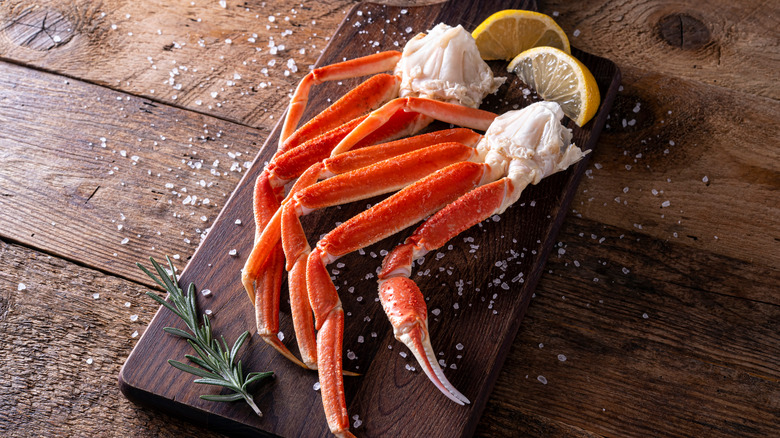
(38, 29)
(684, 31)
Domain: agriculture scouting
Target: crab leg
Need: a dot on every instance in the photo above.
(446, 112)
(291, 164)
(401, 210)
(401, 297)
(383, 177)
(264, 273)
(367, 65)
(470, 209)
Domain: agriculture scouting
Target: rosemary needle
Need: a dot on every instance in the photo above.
(217, 362)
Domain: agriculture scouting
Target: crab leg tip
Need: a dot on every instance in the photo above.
(274, 341)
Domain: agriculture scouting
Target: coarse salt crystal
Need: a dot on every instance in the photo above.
(562, 358)
(95, 296)
(21, 286)
(232, 252)
(316, 386)
(205, 292)
(89, 361)
(135, 334)
(666, 204)
(542, 379)
(134, 318)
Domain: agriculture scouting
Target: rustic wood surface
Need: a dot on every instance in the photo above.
(648, 319)
(482, 320)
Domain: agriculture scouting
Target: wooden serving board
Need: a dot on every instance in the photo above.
(477, 289)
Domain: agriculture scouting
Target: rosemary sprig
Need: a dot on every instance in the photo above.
(217, 361)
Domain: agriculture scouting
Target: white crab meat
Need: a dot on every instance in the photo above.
(445, 65)
(528, 145)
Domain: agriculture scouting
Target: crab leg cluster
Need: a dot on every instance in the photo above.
(519, 148)
(439, 76)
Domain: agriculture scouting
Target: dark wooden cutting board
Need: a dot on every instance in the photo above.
(477, 289)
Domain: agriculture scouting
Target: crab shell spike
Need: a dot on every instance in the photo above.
(405, 308)
(528, 145)
(445, 65)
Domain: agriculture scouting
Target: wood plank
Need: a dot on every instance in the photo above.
(62, 349)
(177, 52)
(648, 350)
(378, 397)
(717, 42)
(716, 168)
(106, 179)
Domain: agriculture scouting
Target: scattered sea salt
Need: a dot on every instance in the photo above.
(95, 296)
(21, 286)
(134, 318)
(89, 361)
(205, 292)
(542, 379)
(316, 386)
(562, 358)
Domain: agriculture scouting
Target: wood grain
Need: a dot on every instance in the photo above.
(101, 178)
(725, 203)
(721, 43)
(63, 346)
(195, 55)
(658, 321)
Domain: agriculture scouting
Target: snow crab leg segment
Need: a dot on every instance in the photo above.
(467, 211)
(383, 177)
(296, 251)
(347, 110)
(446, 112)
(359, 158)
(401, 210)
(268, 281)
(329, 317)
(405, 308)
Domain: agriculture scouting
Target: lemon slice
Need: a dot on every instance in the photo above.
(559, 77)
(509, 32)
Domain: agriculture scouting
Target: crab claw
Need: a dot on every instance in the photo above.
(405, 308)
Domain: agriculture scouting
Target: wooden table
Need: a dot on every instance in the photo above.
(124, 127)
